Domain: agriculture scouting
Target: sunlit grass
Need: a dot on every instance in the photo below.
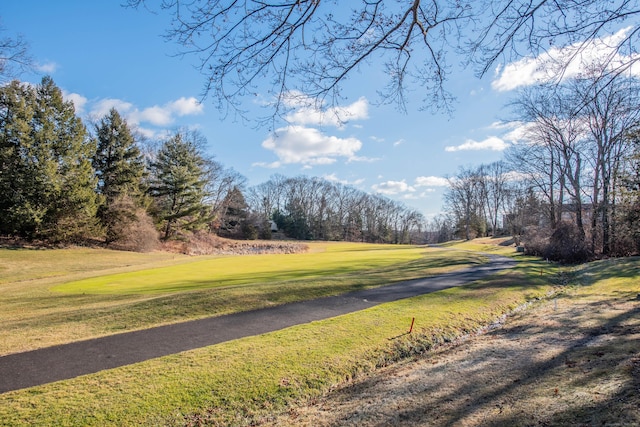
(17, 265)
(36, 313)
(242, 270)
(238, 382)
(495, 245)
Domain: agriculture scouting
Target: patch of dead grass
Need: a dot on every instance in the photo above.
(210, 244)
(573, 360)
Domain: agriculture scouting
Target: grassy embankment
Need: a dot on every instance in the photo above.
(249, 378)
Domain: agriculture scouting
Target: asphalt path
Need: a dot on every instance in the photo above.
(22, 370)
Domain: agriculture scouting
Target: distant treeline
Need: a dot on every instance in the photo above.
(63, 181)
(569, 188)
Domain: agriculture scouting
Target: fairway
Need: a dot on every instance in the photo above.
(325, 260)
(53, 297)
(214, 383)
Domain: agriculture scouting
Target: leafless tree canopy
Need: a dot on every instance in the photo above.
(14, 56)
(311, 47)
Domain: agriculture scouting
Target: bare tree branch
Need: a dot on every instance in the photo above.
(14, 56)
(312, 47)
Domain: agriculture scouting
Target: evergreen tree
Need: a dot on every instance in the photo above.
(118, 161)
(47, 153)
(20, 209)
(178, 184)
(234, 215)
(119, 168)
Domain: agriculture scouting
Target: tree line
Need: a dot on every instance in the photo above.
(569, 188)
(63, 181)
(314, 208)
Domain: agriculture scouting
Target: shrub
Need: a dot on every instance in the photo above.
(567, 244)
(536, 240)
(135, 232)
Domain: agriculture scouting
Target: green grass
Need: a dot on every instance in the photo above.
(95, 293)
(242, 381)
(19, 265)
(335, 260)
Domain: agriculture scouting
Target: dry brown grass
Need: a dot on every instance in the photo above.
(573, 360)
(210, 244)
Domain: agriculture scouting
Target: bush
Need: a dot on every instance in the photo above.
(536, 240)
(135, 232)
(564, 244)
(567, 245)
(249, 231)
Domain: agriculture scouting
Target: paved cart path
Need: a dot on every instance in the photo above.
(22, 370)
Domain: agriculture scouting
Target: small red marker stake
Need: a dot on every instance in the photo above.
(411, 328)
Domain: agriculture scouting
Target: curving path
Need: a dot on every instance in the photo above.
(22, 370)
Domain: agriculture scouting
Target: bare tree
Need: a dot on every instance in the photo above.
(306, 49)
(552, 155)
(314, 208)
(611, 115)
(463, 199)
(577, 141)
(14, 56)
(495, 190)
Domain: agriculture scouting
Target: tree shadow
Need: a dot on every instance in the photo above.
(588, 355)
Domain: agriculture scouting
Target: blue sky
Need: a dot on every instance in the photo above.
(103, 55)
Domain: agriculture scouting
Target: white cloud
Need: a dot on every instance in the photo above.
(78, 100)
(431, 181)
(47, 68)
(155, 115)
(491, 143)
(272, 165)
(186, 106)
(570, 60)
(518, 132)
(362, 159)
(500, 125)
(307, 146)
(301, 143)
(147, 133)
(393, 187)
(102, 107)
(334, 178)
(307, 113)
(515, 176)
(398, 142)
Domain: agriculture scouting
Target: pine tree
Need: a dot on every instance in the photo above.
(119, 168)
(46, 153)
(178, 184)
(20, 210)
(234, 214)
(64, 151)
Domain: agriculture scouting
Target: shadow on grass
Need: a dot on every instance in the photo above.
(610, 269)
(118, 312)
(589, 354)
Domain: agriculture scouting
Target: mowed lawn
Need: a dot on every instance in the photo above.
(247, 381)
(244, 381)
(55, 296)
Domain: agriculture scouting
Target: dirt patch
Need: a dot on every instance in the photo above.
(567, 361)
